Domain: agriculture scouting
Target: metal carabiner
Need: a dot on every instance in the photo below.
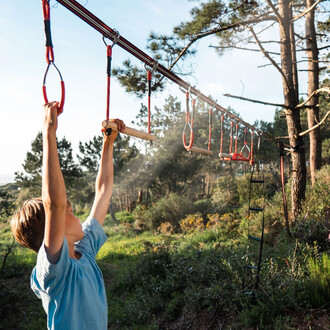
(114, 36)
(245, 146)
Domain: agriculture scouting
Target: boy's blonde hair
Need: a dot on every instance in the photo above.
(28, 224)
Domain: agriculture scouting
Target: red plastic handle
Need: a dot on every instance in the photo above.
(60, 107)
(240, 157)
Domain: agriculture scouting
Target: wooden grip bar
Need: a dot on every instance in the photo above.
(201, 151)
(129, 131)
(224, 155)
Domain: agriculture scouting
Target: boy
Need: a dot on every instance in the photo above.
(66, 277)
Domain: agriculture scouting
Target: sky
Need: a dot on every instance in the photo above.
(81, 56)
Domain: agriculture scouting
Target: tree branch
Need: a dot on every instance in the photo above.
(319, 48)
(323, 89)
(242, 48)
(255, 101)
(306, 11)
(217, 30)
(267, 55)
(299, 106)
(274, 10)
(310, 129)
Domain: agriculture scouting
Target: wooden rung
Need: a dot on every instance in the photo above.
(129, 131)
(224, 155)
(251, 267)
(257, 181)
(201, 151)
(255, 238)
(258, 209)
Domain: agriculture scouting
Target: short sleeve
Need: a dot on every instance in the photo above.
(47, 276)
(94, 237)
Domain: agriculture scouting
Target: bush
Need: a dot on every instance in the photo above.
(315, 210)
(191, 223)
(165, 228)
(204, 206)
(124, 216)
(225, 194)
(319, 289)
(171, 208)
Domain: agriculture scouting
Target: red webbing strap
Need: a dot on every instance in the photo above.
(285, 206)
(231, 137)
(221, 135)
(236, 139)
(109, 59)
(189, 125)
(50, 56)
(48, 35)
(149, 99)
(251, 151)
(210, 129)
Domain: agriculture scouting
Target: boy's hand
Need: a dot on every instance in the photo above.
(121, 127)
(50, 116)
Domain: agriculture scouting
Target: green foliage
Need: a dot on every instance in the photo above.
(171, 208)
(299, 280)
(319, 288)
(192, 223)
(124, 216)
(30, 179)
(326, 151)
(314, 227)
(133, 78)
(7, 204)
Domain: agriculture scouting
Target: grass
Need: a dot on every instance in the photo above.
(186, 281)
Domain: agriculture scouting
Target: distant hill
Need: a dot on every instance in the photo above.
(12, 188)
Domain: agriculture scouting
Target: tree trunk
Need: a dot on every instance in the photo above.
(315, 147)
(290, 91)
(140, 196)
(111, 211)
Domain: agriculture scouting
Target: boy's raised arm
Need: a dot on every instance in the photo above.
(53, 187)
(104, 179)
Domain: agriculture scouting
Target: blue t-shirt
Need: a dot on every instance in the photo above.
(72, 291)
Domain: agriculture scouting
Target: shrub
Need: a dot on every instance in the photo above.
(192, 222)
(171, 208)
(204, 206)
(225, 194)
(315, 210)
(124, 216)
(165, 228)
(139, 218)
(227, 222)
(319, 289)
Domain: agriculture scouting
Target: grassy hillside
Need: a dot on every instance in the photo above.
(192, 274)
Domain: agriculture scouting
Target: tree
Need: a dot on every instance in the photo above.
(89, 158)
(235, 24)
(30, 178)
(315, 147)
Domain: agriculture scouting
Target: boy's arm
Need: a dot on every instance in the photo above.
(53, 187)
(104, 179)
